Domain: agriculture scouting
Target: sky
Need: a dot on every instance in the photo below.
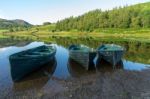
(39, 11)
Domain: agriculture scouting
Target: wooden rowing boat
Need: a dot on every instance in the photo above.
(83, 55)
(111, 53)
(27, 61)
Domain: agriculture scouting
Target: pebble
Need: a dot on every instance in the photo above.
(70, 96)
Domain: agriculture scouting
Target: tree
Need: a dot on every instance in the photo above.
(11, 30)
(146, 19)
(47, 23)
(122, 17)
(136, 22)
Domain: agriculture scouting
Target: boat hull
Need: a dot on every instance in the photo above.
(85, 59)
(113, 57)
(20, 67)
(41, 76)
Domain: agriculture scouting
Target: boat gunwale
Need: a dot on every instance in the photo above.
(110, 50)
(19, 56)
(89, 50)
(119, 48)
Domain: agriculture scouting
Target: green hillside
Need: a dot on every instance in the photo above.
(142, 6)
(135, 16)
(47, 28)
(7, 24)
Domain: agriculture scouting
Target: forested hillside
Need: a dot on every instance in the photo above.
(135, 16)
(9, 24)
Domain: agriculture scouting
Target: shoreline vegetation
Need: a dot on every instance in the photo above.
(116, 35)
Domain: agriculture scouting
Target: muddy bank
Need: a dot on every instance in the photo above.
(119, 84)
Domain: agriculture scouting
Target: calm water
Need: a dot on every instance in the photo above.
(63, 67)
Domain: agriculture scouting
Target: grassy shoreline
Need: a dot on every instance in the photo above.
(44, 34)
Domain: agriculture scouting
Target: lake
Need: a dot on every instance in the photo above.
(136, 58)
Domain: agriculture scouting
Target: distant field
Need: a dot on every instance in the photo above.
(1, 31)
(2, 37)
(45, 32)
(1, 34)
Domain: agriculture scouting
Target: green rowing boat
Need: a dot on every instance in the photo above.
(27, 61)
(111, 53)
(42, 75)
(83, 55)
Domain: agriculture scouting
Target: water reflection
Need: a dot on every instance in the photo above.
(38, 78)
(62, 57)
(103, 66)
(7, 51)
(135, 51)
(129, 65)
(135, 59)
(76, 70)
